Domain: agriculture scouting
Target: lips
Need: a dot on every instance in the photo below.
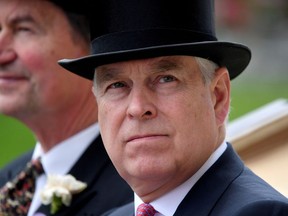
(10, 82)
(146, 136)
(11, 77)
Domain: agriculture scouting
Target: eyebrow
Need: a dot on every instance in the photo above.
(22, 18)
(106, 73)
(166, 64)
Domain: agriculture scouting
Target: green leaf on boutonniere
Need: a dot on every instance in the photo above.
(59, 191)
(56, 204)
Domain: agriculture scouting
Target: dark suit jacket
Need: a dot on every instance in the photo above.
(106, 189)
(228, 188)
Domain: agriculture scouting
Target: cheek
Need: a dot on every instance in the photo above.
(109, 123)
(33, 57)
(108, 118)
(196, 115)
(43, 65)
(38, 59)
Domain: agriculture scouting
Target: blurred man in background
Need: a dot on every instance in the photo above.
(56, 105)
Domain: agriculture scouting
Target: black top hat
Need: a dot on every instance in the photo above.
(135, 29)
(73, 6)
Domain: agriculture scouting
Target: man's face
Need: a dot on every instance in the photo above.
(34, 35)
(159, 120)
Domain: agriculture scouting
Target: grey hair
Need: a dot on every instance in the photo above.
(207, 68)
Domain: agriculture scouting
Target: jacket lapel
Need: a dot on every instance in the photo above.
(10, 171)
(126, 210)
(206, 192)
(82, 171)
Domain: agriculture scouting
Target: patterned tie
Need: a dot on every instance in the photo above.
(16, 196)
(145, 209)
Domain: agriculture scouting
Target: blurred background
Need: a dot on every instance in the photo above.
(262, 25)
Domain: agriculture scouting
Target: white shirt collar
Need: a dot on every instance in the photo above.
(58, 160)
(168, 203)
(61, 158)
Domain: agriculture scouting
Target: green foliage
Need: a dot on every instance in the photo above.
(15, 138)
(247, 96)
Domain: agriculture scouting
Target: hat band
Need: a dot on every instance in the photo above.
(130, 40)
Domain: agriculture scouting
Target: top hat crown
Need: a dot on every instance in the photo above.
(135, 29)
(81, 8)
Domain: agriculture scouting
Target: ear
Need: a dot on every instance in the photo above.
(93, 90)
(220, 90)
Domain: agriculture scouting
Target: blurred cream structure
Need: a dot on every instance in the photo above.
(261, 139)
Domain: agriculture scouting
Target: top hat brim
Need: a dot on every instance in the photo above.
(234, 56)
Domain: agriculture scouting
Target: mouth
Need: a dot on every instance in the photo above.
(12, 78)
(11, 82)
(145, 137)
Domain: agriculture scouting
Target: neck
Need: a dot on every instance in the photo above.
(52, 128)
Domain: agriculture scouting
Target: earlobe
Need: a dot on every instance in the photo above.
(220, 88)
(93, 90)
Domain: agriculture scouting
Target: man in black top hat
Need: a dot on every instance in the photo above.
(162, 84)
(56, 105)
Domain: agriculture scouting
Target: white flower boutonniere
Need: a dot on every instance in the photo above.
(59, 190)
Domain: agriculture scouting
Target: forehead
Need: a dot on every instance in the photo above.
(11, 10)
(158, 63)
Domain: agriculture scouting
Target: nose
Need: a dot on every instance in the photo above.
(141, 104)
(6, 56)
(6, 52)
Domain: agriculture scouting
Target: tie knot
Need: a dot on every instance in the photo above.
(33, 169)
(145, 209)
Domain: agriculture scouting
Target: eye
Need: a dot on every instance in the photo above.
(167, 78)
(116, 85)
(115, 89)
(23, 29)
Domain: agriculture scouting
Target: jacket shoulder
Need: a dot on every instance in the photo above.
(9, 171)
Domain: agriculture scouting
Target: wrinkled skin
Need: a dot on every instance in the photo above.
(159, 120)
